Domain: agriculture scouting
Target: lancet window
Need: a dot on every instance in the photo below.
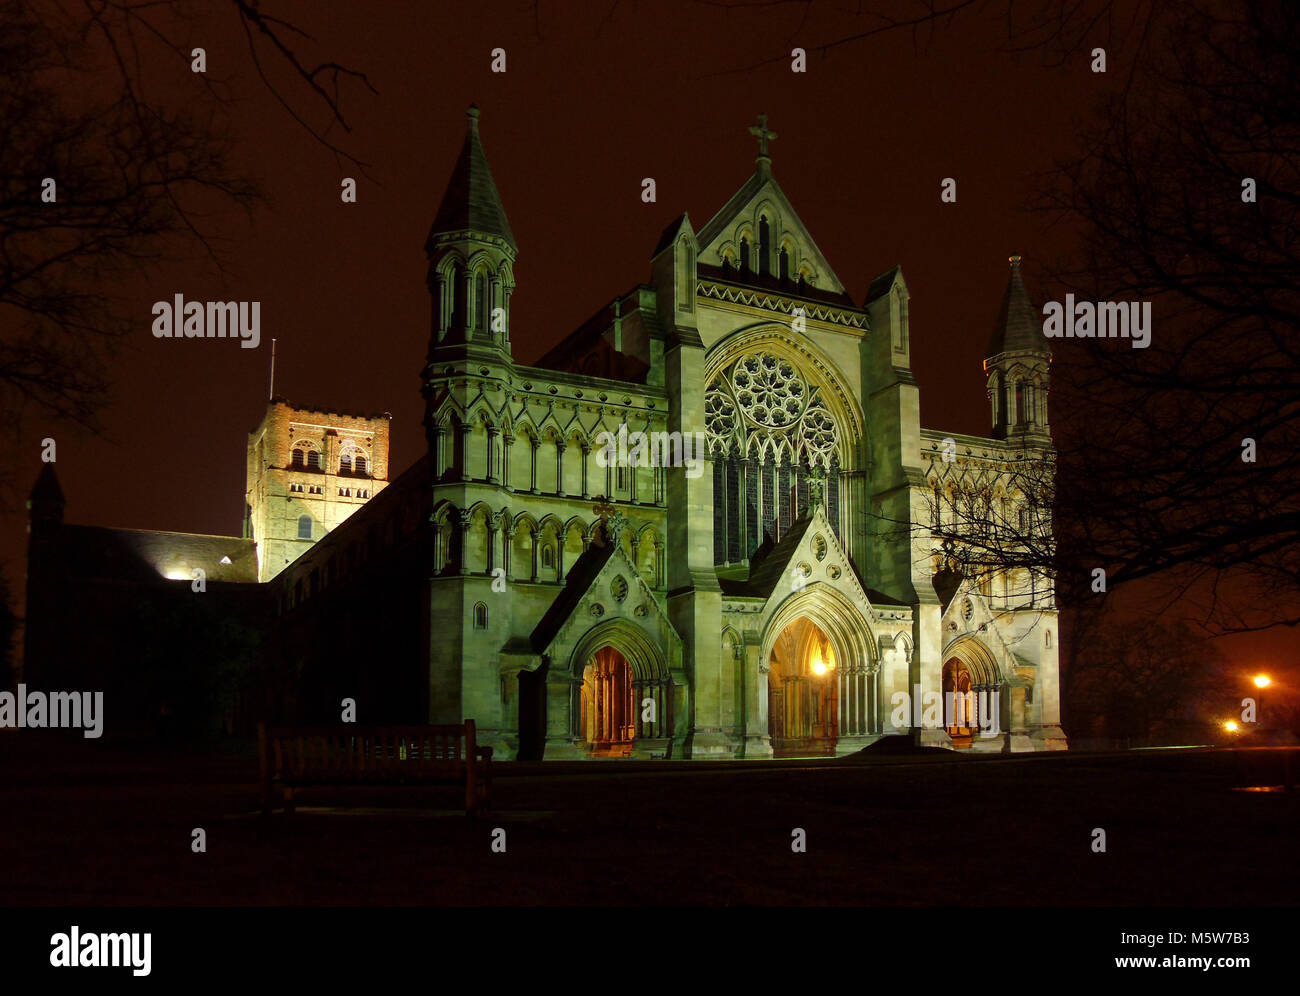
(770, 435)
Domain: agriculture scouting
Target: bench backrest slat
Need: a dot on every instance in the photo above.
(300, 751)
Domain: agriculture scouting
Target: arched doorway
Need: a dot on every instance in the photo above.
(803, 699)
(972, 696)
(960, 705)
(617, 696)
(608, 716)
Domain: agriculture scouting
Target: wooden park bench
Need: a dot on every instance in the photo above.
(309, 756)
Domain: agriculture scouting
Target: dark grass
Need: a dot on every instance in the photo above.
(85, 823)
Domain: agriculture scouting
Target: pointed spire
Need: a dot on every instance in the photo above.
(46, 502)
(1019, 325)
(471, 203)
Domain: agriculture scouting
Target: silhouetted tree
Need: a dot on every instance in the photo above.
(8, 628)
(1183, 459)
(100, 99)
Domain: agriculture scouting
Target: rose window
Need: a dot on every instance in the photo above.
(769, 390)
(766, 407)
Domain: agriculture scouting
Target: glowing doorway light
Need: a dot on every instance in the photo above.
(820, 664)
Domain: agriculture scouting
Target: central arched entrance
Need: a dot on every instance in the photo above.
(609, 706)
(803, 700)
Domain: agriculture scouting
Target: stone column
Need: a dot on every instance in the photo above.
(560, 539)
(440, 319)
(505, 552)
(636, 711)
(535, 535)
(494, 537)
(465, 429)
(532, 486)
(843, 706)
(466, 518)
(559, 466)
(576, 707)
(586, 454)
(470, 302)
(874, 722)
(505, 459)
(492, 434)
(439, 449)
(493, 297)
(601, 681)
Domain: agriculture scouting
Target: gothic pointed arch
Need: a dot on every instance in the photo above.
(778, 396)
(643, 654)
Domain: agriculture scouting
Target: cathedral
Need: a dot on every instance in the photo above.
(705, 525)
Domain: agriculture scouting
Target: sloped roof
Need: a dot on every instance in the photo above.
(576, 584)
(764, 576)
(151, 555)
(471, 202)
(669, 234)
(1019, 325)
(882, 283)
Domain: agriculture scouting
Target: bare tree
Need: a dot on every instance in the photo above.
(116, 156)
(1057, 29)
(1183, 458)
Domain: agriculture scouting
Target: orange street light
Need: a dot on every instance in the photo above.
(1262, 681)
(1231, 726)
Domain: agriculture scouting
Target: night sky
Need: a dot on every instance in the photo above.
(595, 98)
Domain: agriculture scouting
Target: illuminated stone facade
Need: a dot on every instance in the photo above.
(775, 596)
(309, 470)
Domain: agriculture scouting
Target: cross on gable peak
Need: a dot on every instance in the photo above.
(764, 135)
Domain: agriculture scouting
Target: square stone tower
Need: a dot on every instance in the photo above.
(308, 470)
